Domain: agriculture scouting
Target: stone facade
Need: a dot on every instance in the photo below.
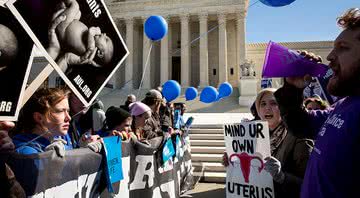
(211, 58)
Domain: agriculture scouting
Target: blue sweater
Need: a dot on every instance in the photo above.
(37, 146)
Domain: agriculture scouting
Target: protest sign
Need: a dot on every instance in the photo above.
(79, 173)
(16, 55)
(247, 144)
(168, 150)
(113, 166)
(77, 37)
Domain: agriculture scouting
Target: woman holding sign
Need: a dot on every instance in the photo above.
(289, 155)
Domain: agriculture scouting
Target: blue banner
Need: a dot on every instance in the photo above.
(168, 150)
(113, 156)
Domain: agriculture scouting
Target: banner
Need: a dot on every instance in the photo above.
(16, 55)
(81, 173)
(85, 48)
(247, 144)
(113, 166)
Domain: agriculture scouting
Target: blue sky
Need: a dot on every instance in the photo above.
(303, 20)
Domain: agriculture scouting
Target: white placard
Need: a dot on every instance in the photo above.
(247, 144)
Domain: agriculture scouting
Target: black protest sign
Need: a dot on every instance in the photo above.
(247, 144)
(78, 38)
(15, 62)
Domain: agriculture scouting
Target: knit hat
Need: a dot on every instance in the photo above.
(115, 116)
(153, 93)
(138, 108)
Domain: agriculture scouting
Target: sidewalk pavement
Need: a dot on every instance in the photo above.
(206, 190)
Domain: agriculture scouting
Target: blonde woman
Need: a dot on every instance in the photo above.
(289, 154)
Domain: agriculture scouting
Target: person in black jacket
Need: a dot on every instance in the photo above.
(289, 154)
(10, 187)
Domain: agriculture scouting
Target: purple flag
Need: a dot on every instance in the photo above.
(283, 62)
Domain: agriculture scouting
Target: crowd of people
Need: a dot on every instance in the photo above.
(314, 146)
(55, 119)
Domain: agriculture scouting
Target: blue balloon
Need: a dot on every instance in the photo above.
(276, 3)
(225, 90)
(171, 90)
(191, 93)
(155, 27)
(209, 94)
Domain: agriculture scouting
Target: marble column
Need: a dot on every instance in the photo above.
(130, 59)
(222, 48)
(118, 77)
(185, 51)
(204, 61)
(241, 45)
(146, 50)
(164, 57)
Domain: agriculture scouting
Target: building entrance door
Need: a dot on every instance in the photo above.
(176, 69)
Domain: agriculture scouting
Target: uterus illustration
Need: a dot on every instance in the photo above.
(245, 163)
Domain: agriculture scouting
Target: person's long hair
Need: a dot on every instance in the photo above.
(43, 102)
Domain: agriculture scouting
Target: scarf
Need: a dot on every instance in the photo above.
(277, 136)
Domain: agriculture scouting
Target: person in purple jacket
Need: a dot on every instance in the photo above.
(332, 169)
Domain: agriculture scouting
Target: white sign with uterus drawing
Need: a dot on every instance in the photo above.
(247, 144)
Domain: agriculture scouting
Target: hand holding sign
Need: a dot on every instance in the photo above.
(273, 166)
(6, 143)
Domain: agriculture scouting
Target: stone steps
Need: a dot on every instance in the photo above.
(215, 177)
(206, 131)
(208, 149)
(202, 157)
(207, 143)
(207, 126)
(210, 166)
(205, 136)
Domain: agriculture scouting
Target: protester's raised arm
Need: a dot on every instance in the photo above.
(290, 100)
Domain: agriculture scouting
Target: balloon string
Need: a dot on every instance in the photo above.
(32, 140)
(254, 3)
(192, 103)
(198, 38)
(205, 33)
(144, 71)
